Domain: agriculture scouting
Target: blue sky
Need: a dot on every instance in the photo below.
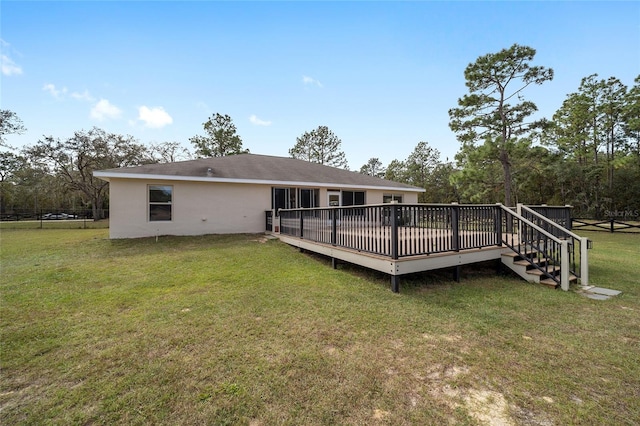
(381, 75)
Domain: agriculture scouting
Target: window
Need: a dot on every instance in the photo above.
(160, 197)
(387, 198)
(279, 199)
(309, 198)
(353, 198)
(292, 198)
(283, 198)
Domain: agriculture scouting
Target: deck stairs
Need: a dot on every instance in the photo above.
(524, 264)
(540, 249)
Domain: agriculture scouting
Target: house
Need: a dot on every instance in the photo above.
(230, 194)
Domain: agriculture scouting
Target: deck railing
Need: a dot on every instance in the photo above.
(577, 246)
(269, 220)
(403, 230)
(555, 217)
(397, 230)
(543, 250)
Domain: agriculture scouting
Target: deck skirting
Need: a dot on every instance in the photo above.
(401, 266)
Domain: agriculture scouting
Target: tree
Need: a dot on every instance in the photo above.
(441, 188)
(10, 164)
(613, 94)
(220, 140)
(591, 129)
(169, 152)
(570, 131)
(373, 168)
(420, 165)
(487, 116)
(10, 124)
(479, 176)
(632, 119)
(320, 146)
(396, 171)
(74, 160)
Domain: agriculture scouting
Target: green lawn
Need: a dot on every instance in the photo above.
(239, 330)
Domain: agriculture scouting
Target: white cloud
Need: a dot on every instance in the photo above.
(310, 80)
(53, 91)
(155, 117)
(7, 65)
(258, 122)
(104, 110)
(84, 96)
(62, 93)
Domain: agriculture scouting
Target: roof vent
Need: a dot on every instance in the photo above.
(210, 172)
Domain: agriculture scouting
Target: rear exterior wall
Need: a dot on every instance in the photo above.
(200, 208)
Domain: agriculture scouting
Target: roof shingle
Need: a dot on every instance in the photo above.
(259, 168)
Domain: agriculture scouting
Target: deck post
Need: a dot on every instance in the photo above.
(519, 213)
(456, 274)
(394, 231)
(455, 225)
(564, 265)
(334, 263)
(395, 283)
(498, 222)
(276, 224)
(334, 227)
(301, 224)
(584, 261)
(568, 223)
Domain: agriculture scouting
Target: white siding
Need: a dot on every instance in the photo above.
(200, 208)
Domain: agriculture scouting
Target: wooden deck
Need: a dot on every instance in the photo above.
(401, 266)
(401, 239)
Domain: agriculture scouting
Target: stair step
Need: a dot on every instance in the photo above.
(551, 283)
(528, 263)
(549, 269)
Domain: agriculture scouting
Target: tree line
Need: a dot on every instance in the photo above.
(586, 155)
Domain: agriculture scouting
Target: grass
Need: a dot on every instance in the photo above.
(239, 330)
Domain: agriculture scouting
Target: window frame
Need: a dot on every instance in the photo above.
(354, 198)
(152, 204)
(389, 198)
(291, 197)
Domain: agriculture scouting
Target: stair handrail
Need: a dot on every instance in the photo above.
(564, 247)
(533, 225)
(584, 243)
(551, 222)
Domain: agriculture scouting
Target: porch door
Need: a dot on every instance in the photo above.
(333, 198)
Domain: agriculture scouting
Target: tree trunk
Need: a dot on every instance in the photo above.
(506, 167)
(96, 206)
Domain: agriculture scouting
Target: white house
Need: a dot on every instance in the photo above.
(231, 194)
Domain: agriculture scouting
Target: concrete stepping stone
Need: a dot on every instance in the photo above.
(599, 293)
(605, 291)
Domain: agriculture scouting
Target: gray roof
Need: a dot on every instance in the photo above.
(253, 167)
